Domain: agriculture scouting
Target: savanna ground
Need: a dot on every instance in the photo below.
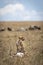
(33, 44)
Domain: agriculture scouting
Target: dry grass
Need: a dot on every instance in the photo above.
(33, 45)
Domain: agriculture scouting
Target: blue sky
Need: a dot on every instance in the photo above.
(11, 10)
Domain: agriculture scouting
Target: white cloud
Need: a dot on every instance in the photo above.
(11, 9)
(19, 12)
